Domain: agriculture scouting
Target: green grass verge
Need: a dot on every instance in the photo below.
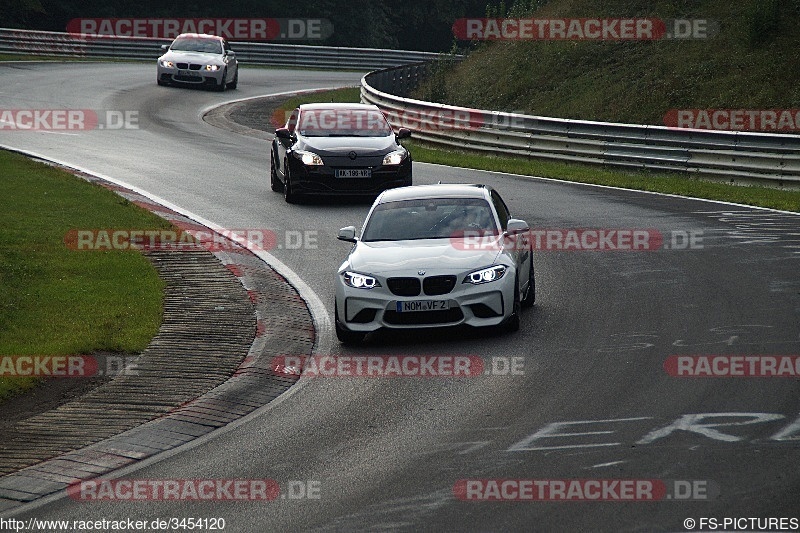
(57, 301)
(670, 183)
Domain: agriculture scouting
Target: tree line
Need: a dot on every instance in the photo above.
(409, 24)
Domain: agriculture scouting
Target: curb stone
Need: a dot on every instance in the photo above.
(187, 387)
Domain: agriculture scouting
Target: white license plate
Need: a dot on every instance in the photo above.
(354, 173)
(423, 305)
(190, 73)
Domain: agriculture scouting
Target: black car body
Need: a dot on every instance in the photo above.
(338, 149)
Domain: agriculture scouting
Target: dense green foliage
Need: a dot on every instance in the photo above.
(751, 63)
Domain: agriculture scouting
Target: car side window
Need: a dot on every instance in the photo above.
(226, 46)
(502, 210)
(291, 124)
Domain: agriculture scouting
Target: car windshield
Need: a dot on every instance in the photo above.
(191, 44)
(343, 123)
(434, 218)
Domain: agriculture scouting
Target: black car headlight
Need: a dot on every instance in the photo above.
(485, 275)
(359, 281)
(166, 64)
(395, 158)
(308, 158)
(212, 68)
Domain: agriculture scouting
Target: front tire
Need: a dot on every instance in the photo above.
(530, 294)
(288, 194)
(344, 335)
(511, 324)
(222, 84)
(235, 82)
(274, 182)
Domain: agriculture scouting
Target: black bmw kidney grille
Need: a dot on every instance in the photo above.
(182, 66)
(404, 286)
(432, 285)
(192, 66)
(436, 285)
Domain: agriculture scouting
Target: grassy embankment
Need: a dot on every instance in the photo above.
(57, 301)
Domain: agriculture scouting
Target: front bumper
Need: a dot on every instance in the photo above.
(190, 77)
(322, 180)
(363, 310)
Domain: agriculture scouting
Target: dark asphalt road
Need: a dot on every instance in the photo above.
(387, 452)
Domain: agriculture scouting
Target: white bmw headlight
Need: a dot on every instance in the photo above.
(212, 68)
(308, 158)
(395, 158)
(485, 275)
(167, 64)
(360, 281)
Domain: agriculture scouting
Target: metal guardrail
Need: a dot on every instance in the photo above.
(731, 155)
(146, 48)
(737, 156)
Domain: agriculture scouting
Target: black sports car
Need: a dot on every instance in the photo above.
(338, 149)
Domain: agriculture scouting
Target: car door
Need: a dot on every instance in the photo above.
(284, 145)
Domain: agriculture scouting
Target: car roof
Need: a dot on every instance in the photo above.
(200, 36)
(337, 105)
(440, 190)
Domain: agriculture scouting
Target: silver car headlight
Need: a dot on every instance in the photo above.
(308, 158)
(167, 64)
(395, 158)
(485, 275)
(212, 68)
(359, 281)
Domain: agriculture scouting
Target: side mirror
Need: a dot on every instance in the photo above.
(165, 47)
(515, 226)
(347, 234)
(403, 133)
(230, 53)
(283, 133)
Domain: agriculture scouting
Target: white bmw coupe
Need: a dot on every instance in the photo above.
(432, 256)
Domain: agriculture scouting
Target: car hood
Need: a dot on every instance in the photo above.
(439, 255)
(359, 145)
(191, 57)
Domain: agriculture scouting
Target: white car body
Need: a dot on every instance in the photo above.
(442, 265)
(199, 59)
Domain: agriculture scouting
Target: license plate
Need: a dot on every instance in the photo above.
(423, 305)
(190, 73)
(354, 173)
